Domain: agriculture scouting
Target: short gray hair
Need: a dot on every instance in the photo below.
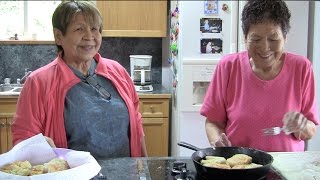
(66, 11)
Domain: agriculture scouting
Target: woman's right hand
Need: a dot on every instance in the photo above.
(50, 142)
(223, 141)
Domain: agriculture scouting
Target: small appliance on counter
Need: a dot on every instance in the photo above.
(140, 67)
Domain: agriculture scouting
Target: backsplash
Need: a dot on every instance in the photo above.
(15, 58)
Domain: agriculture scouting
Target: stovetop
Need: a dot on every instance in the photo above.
(164, 170)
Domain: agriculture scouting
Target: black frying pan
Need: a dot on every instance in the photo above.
(258, 157)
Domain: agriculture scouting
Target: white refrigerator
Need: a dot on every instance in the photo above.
(201, 33)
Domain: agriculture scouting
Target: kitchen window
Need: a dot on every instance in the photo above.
(27, 20)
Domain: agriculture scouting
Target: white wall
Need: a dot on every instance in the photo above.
(297, 39)
(314, 55)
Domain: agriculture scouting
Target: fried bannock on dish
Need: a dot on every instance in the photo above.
(21, 168)
(237, 161)
(56, 165)
(24, 168)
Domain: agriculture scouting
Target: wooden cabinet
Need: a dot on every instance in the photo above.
(133, 18)
(7, 111)
(154, 109)
(155, 115)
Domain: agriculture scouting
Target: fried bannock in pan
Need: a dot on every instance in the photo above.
(214, 159)
(246, 166)
(237, 161)
(217, 165)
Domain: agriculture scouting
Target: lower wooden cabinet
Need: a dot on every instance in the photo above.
(7, 111)
(154, 109)
(155, 116)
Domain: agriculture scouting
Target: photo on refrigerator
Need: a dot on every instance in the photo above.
(211, 46)
(210, 25)
(211, 7)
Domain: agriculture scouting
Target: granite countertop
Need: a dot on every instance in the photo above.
(137, 168)
(159, 91)
(298, 165)
(286, 165)
(154, 168)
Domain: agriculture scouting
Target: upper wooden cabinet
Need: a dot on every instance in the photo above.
(133, 18)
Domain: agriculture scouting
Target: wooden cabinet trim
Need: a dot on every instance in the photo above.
(154, 96)
(133, 33)
(154, 121)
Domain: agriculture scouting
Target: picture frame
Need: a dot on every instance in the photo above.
(211, 46)
(211, 7)
(210, 25)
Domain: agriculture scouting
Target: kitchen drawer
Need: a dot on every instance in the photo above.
(154, 107)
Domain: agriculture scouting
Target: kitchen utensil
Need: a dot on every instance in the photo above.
(258, 156)
(142, 174)
(272, 131)
(101, 176)
(213, 147)
(7, 81)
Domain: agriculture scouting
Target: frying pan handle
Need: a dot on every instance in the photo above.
(189, 146)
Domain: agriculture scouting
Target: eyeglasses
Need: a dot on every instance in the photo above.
(102, 91)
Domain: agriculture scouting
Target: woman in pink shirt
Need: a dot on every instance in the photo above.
(262, 87)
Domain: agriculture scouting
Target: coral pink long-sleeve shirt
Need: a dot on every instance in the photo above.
(247, 104)
(41, 102)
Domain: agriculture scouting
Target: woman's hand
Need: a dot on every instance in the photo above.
(294, 122)
(223, 141)
(50, 142)
(299, 125)
(216, 135)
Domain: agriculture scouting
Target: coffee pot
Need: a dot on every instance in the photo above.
(140, 67)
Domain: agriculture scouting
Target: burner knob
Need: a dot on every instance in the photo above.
(184, 173)
(178, 166)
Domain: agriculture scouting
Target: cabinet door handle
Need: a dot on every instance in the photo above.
(152, 109)
(3, 125)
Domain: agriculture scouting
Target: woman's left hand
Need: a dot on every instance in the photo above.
(223, 141)
(50, 142)
(294, 122)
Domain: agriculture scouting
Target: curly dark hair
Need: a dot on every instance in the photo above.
(259, 11)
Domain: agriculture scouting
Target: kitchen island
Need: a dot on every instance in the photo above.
(286, 165)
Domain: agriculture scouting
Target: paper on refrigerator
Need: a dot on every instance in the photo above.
(37, 151)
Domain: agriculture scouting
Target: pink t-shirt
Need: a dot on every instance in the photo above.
(247, 104)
